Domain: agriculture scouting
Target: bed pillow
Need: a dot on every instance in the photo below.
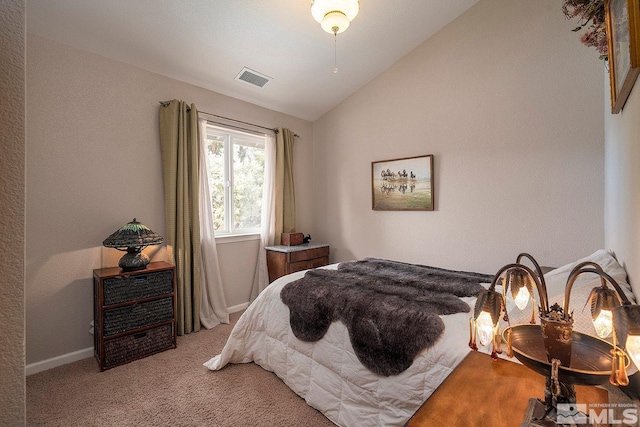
(556, 281)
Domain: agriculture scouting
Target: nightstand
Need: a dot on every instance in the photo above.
(134, 313)
(283, 259)
(480, 391)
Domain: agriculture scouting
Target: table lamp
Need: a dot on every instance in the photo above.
(132, 238)
(552, 348)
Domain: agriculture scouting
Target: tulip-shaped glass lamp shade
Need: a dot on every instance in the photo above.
(603, 300)
(334, 16)
(626, 320)
(522, 281)
(132, 238)
(484, 324)
(521, 286)
(485, 328)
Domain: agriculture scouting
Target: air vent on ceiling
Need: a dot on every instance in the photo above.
(253, 77)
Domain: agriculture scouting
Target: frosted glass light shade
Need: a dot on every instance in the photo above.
(522, 298)
(334, 16)
(485, 328)
(603, 323)
(633, 348)
(521, 286)
(335, 22)
(626, 324)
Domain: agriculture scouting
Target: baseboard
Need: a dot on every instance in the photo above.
(237, 308)
(54, 362)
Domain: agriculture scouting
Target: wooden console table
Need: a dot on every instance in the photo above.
(483, 392)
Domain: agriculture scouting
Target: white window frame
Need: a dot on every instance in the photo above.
(231, 136)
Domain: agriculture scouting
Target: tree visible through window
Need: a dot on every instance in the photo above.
(235, 166)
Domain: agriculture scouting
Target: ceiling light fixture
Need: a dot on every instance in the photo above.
(334, 17)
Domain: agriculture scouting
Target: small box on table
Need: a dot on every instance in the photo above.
(291, 239)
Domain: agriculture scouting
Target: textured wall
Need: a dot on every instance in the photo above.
(12, 211)
(510, 104)
(622, 183)
(93, 165)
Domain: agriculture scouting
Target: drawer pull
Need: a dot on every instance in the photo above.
(140, 335)
(140, 280)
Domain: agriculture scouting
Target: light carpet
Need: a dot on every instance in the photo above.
(171, 388)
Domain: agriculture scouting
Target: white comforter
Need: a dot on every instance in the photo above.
(327, 373)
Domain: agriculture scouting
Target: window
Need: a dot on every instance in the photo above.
(235, 166)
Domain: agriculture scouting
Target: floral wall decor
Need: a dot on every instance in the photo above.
(591, 15)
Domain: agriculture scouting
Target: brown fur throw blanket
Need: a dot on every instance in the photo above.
(389, 308)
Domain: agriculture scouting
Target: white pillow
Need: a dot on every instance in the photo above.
(556, 281)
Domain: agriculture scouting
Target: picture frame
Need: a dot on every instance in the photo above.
(623, 37)
(404, 184)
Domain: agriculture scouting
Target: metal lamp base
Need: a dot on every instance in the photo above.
(132, 261)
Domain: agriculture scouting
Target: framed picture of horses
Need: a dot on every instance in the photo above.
(404, 184)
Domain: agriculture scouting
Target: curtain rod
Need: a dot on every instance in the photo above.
(274, 130)
(213, 122)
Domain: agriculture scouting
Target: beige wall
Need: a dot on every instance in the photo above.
(93, 165)
(12, 211)
(510, 104)
(622, 183)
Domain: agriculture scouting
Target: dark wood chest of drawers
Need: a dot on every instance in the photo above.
(134, 313)
(283, 260)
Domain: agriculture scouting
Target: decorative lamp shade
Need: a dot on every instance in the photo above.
(133, 237)
(521, 286)
(487, 315)
(334, 15)
(626, 321)
(603, 300)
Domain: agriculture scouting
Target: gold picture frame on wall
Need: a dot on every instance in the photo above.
(404, 184)
(623, 36)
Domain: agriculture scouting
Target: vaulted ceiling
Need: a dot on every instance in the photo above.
(208, 42)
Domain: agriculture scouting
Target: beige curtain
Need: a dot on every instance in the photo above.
(213, 306)
(267, 227)
(180, 157)
(285, 203)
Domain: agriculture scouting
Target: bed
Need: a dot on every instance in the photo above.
(329, 376)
